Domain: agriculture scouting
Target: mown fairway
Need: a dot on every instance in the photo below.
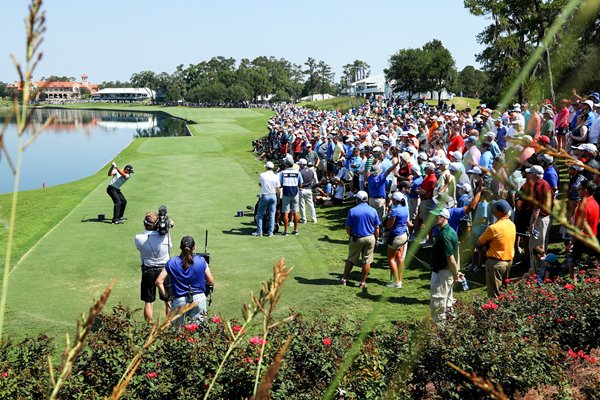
(60, 263)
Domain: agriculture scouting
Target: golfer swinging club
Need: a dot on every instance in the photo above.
(119, 177)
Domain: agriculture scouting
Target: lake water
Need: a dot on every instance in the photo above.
(77, 144)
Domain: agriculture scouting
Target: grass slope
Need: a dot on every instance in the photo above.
(203, 180)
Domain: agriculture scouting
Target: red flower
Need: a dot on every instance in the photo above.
(581, 271)
(588, 280)
(547, 280)
(192, 327)
(250, 360)
(327, 342)
(490, 305)
(5, 374)
(237, 328)
(571, 317)
(191, 340)
(559, 320)
(507, 281)
(572, 353)
(596, 280)
(215, 319)
(152, 375)
(569, 286)
(580, 353)
(254, 340)
(530, 317)
(592, 359)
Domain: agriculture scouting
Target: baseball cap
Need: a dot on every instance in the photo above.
(551, 258)
(442, 198)
(187, 241)
(308, 145)
(442, 212)
(423, 156)
(465, 186)
(502, 206)
(589, 103)
(362, 195)
(475, 170)
(584, 147)
(415, 169)
(455, 166)
(471, 139)
(430, 166)
(128, 168)
(547, 158)
(543, 139)
(302, 161)
(398, 196)
(443, 161)
(536, 169)
(269, 165)
(457, 155)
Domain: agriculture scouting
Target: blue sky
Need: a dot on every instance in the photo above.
(110, 40)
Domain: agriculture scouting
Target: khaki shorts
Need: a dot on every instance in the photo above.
(361, 247)
(290, 202)
(398, 241)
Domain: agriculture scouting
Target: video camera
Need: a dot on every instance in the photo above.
(163, 223)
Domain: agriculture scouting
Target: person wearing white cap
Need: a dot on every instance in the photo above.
(539, 225)
(444, 266)
(269, 190)
(309, 180)
(362, 225)
(446, 182)
(397, 225)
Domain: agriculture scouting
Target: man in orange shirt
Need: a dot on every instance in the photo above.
(500, 239)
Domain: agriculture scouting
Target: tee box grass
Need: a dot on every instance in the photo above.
(60, 263)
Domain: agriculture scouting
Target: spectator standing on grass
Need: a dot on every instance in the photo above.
(539, 225)
(306, 195)
(154, 254)
(290, 180)
(499, 238)
(587, 217)
(362, 225)
(269, 190)
(444, 267)
(397, 224)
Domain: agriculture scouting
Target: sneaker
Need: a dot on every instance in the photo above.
(314, 221)
(363, 285)
(294, 232)
(394, 285)
(270, 235)
(302, 221)
(256, 234)
(342, 282)
(284, 233)
(117, 222)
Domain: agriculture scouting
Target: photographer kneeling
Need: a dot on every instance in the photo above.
(189, 275)
(154, 253)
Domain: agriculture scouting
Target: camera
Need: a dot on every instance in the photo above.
(163, 223)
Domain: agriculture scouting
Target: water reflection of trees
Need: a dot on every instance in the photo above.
(164, 127)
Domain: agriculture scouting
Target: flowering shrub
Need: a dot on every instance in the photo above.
(526, 340)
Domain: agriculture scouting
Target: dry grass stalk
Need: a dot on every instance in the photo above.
(495, 392)
(84, 327)
(267, 381)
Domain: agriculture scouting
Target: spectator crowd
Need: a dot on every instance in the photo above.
(487, 184)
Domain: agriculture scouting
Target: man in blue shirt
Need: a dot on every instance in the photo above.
(486, 160)
(362, 225)
(550, 174)
(377, 189)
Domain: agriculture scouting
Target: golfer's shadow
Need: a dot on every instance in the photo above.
(240, 231)
(364, 294)
(102, 220)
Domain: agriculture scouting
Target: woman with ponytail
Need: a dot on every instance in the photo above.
(397, 224)
(189, 275)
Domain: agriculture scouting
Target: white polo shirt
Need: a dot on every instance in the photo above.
(269, 182)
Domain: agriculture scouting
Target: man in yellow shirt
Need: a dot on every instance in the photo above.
(500, 241)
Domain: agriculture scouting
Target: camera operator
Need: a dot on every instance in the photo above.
(154, 253)
(190, 277)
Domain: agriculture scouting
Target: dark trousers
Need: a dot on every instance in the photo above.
(119, 201)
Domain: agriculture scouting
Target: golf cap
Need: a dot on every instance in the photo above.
(543, 139)
(308, 145)
(415, 169)
(475, 170)
(455, 166)
(457, 155)
(269, 165)
(502, 206)
(465, 186)
(551, 258)
(302, 161)
(423, 156)
(444, 161)
(441, 212)
(187, 241)
(589, 103)
(398, 196)
(547, 158)
(362, 196)
(583, 147)
(471, 139)
(442, 198)
(536, 170)
(430, 166)
(128, 168)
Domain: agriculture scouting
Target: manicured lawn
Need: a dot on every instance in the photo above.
(60, 263)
